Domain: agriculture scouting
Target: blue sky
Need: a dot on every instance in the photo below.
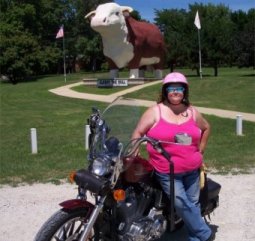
(146, 7)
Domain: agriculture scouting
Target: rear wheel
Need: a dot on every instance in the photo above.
(66, 225)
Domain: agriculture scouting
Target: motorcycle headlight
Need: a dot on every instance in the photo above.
(101, 166)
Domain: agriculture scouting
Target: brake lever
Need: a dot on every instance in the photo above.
(156, 144)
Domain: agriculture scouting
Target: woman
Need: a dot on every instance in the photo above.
(174, 118)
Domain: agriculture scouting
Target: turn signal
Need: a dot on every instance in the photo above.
(119, 195)
(72, 176)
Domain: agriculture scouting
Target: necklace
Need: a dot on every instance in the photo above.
(176, 111)
(185, 114)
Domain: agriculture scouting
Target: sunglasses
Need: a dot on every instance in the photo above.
(170, 89)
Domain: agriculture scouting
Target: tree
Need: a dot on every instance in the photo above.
(244, 45)
(226, 38)
(217, 31)
(28, 30)
(82, 43)
(173, 25)
(22, 54)
(19, 48)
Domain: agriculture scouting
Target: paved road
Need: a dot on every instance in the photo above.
(68, 92)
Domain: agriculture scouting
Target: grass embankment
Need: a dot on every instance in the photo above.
(233, 89)
(60, 124)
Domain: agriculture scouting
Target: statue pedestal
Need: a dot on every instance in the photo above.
(117, 82)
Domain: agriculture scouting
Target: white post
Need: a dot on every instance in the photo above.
(33, 140)
(87, 132)
(239, 125)
(199, 53)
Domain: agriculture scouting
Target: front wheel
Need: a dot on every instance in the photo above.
(65, 225)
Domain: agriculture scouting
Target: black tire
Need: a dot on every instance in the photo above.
(64, 225)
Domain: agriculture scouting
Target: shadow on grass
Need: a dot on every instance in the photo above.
(196, 76)
(247, 75)
(26, 80)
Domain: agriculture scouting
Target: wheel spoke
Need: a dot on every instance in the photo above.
(69, 231)
(68, 226)
(79, 228)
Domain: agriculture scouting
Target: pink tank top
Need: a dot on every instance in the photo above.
(185, 158)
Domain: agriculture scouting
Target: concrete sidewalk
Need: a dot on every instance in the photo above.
(67, 92)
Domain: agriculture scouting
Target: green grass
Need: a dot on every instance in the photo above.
(60, 125)
(226, 151)
(233, 89)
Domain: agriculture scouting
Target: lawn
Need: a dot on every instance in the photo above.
(60, 123)
(233, 90)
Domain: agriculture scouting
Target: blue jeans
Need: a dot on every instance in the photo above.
(187, 205)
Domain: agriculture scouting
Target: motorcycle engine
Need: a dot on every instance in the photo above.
(147, 228)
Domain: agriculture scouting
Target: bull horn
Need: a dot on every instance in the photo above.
(90, 13)
(126, 8)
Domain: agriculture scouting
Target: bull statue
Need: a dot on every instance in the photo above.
(126, 41)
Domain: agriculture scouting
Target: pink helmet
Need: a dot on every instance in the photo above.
(175, 77)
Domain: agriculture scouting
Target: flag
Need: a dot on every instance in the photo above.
(197, 21)
(60, 33)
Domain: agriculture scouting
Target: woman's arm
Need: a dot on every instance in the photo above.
(205, 128)
(147, 120)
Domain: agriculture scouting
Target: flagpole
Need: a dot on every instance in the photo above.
(64, 56)
(199, 53)
(198, 25)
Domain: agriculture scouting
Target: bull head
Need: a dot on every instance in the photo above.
(108, 9)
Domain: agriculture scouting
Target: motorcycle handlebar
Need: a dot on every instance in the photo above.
(156, 144)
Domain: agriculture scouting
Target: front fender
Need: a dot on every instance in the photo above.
(76, 203)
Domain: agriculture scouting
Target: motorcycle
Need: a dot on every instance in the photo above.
(118, 196)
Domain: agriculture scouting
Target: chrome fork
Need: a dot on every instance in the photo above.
(92, 220)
